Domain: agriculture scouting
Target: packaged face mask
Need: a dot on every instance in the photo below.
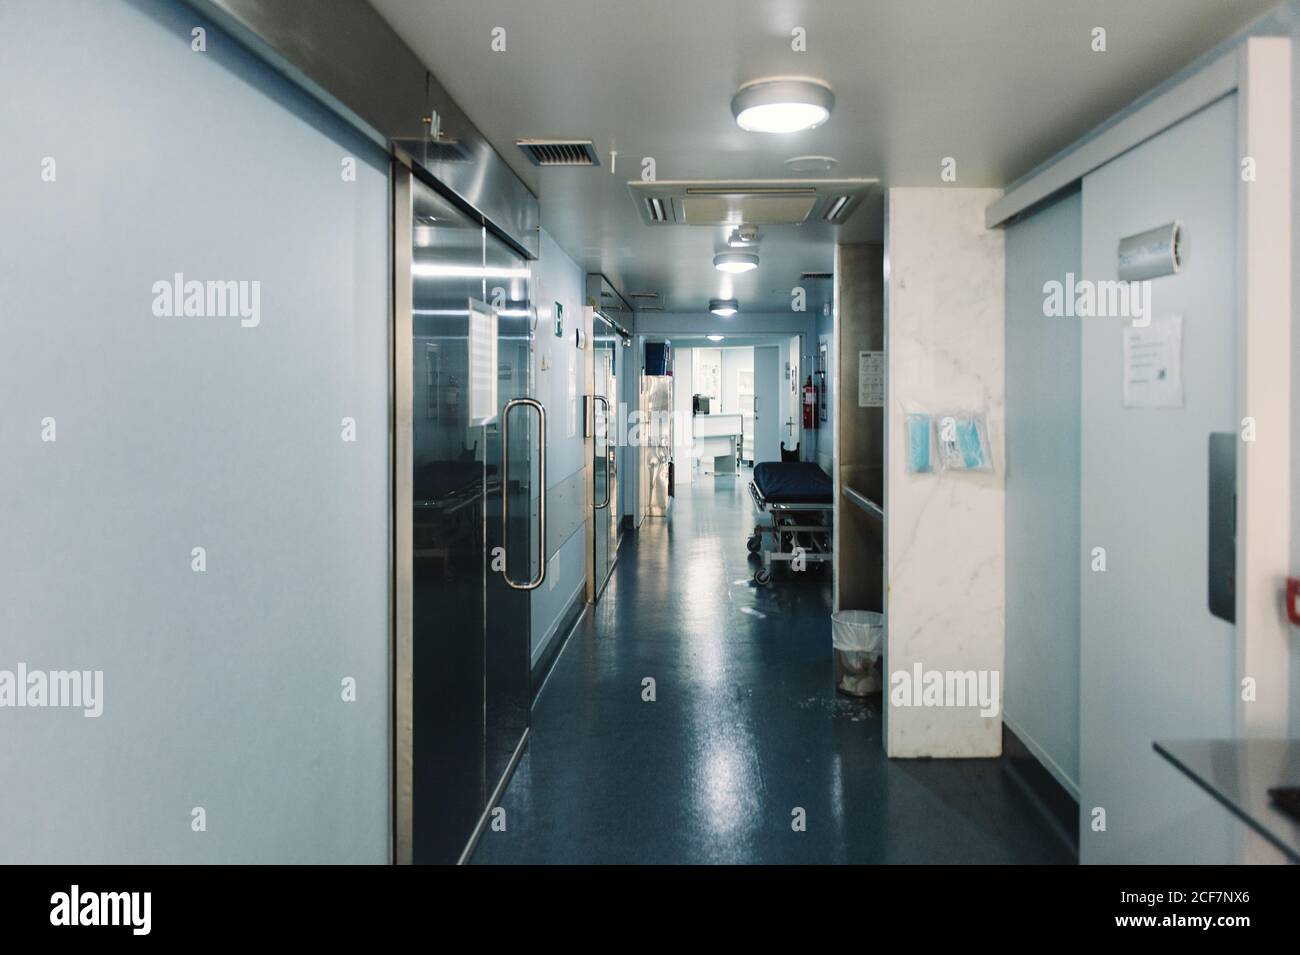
(963, 440)
(918, 444)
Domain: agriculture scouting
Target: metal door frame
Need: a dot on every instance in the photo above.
(402, 568)
(596, 577)
(402, 459)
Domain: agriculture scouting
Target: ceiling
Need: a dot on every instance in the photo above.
(1000, 85)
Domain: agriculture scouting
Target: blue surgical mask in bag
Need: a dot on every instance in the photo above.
(918, 444)
(963, 443)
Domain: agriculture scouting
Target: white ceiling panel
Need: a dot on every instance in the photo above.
(998, 85)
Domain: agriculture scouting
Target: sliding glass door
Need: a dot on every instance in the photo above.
(514, 510)
(472, 506)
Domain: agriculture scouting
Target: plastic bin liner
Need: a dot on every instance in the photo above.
(858, 638)
(862, 631)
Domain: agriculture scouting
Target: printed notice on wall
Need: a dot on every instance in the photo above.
(482, 364)
(1153, 364)
(871, 379)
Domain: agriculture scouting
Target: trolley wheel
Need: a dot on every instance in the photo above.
(754, 544)
(762, 576)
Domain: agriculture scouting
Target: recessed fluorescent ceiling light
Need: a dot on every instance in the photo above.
(782, 105)
(460, 312)
(726, 307)
(735, 262)
(437, 270)
(714, 338)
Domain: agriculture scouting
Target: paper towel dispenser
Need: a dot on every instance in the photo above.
(1151, 254)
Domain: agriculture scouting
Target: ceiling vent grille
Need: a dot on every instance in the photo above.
(814, 276)
(658, 209)
(755, 203)
(836, 208)
(559, 152)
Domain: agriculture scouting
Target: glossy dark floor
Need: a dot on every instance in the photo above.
(746, 726)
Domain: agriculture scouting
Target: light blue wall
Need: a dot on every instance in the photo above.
(559, 279)
(221, 689)
(1041, 691)
(1154, 663)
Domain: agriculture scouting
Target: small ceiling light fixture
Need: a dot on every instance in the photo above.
(743, 236)
(724, 307)
(735, 262)
(811, 163)
(782, 105)
(714, 338)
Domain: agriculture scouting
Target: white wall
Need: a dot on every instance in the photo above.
(944, 532)
(790, 382)
(221, 689)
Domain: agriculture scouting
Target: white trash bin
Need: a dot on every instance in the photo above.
(858, 638)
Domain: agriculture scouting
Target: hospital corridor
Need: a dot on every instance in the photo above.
(680, 433)
(746, 724)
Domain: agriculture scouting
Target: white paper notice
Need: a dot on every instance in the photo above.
(482, 364)
(1153, 364)
(871, 379)
(573, 395)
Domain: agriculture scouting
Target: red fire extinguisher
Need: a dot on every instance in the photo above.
(809, 404)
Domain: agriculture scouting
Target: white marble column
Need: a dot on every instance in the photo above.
(944, 531)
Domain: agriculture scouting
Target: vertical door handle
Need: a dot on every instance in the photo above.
(505, 491)
(605, 401)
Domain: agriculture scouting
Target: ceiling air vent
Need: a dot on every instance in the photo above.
(836, 208)
(814, 276)
(559, 152)
(755, 203)
(657, 208)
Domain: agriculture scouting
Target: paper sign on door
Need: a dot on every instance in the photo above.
(1153, 364)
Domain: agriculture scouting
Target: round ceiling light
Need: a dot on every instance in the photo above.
(735, 262)
(714, 338)
(725, 307)
(811, 163)
(782, 105)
